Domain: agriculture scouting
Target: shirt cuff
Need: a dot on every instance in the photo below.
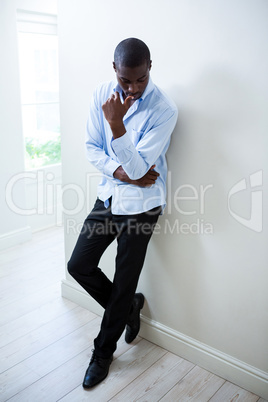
(110, 167)
(123, 148)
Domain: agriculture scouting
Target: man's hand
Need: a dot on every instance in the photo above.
(146, 181)
(114, 111)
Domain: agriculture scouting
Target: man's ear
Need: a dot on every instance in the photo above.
(150, 65)
(114, 67)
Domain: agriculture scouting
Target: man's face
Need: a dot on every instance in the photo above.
(133, 80)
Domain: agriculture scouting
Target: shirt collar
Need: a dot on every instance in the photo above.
(149, 88)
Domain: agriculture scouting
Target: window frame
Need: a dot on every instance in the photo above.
(45, 24)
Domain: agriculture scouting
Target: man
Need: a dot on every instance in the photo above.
(128, 133)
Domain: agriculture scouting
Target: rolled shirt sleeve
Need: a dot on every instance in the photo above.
(94, 142)
(136, 161)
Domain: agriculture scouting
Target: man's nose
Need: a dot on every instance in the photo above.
(133, 88)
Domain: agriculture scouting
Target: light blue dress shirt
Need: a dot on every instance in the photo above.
(149, 123)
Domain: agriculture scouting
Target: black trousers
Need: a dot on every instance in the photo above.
(133, 233)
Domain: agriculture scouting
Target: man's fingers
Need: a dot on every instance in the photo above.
(149, 181)
(127, 102)
(149, 178)
(152, 173)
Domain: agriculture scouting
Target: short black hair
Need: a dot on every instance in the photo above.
(131, 52)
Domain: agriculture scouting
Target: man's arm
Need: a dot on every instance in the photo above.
(137, 161)
(94, 142)
(114, 111)
(146, 181)
(103, 162)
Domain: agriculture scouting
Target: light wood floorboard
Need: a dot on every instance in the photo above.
(46, 342)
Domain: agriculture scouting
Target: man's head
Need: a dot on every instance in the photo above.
(132, 65)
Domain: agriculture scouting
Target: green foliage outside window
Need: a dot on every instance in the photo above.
(42, 153)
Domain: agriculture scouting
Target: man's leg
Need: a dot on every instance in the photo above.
(98, 232)
(96, 235)
(135, 232)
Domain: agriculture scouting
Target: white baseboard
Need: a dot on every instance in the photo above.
(15, 237)
(213, 360)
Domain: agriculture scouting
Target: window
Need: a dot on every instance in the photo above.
(38, 59)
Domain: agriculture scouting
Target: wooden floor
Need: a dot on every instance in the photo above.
(46, 342)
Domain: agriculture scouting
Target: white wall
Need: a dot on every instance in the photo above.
(15, 227)
(206, 293)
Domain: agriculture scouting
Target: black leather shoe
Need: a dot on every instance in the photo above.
(133, 322)
(98, 369)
